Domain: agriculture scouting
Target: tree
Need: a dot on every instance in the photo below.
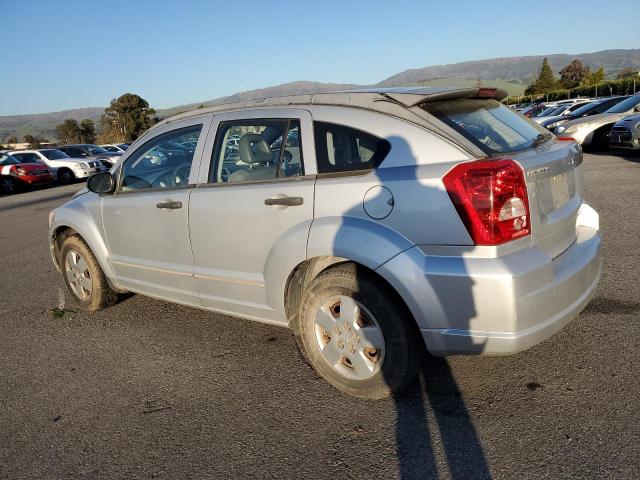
(545, 82)
(87, 131)
(627, 72)
(594, 78)
(33, 141)
(127, 117)
(69, 131)
(12, 139)
(573, 74)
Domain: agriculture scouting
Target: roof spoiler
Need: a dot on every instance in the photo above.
(413, 99)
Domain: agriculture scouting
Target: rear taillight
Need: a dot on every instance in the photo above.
(491, 199)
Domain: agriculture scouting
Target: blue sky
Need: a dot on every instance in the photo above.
(65, 54)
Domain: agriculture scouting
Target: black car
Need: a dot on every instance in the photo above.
(89, 151)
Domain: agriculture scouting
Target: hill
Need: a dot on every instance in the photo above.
(516, 70)
(509, 73)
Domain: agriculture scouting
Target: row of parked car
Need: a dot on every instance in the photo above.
(39, 167)
(602, 122)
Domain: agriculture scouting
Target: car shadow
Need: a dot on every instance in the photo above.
(432, 406)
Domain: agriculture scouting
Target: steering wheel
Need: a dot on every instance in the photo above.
(287, 156)
(178, 177)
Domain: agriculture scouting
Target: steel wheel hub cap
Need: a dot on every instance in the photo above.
(78, 275)
(349, 337)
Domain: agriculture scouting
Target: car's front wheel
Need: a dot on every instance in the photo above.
(83, 276)
(357, 334)
(8, 185)
(65, 176)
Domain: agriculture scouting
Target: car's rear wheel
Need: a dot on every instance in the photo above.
(357, 334)
(83, 276)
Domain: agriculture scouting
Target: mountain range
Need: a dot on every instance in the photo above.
(509, 73)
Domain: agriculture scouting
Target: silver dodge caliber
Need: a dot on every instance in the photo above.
(372, 223)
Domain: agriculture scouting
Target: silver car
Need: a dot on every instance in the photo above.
(372, 223)
(594, 130)
(625, 133)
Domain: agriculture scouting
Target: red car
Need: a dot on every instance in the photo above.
(15, 175)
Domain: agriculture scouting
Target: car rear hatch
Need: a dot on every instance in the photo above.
(554, 185)
(552, 168)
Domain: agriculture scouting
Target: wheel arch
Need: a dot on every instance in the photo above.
(305, 272)
(74, 221)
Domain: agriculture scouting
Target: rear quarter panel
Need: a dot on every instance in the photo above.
(422, 212)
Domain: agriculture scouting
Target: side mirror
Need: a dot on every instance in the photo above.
(101, 183)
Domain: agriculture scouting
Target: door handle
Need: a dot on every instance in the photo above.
(170, 204)
(285, 201)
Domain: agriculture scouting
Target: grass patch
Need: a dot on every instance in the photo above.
(61, 312)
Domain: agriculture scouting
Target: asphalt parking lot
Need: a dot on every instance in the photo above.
(147, 389)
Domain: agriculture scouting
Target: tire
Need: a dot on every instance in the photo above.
(360, 370)
(65, 176)
(600, 140)
(8, 185)
(83, 276)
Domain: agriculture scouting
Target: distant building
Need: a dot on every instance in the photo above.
(25, 146)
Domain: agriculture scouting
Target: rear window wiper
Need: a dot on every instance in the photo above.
(540, 139)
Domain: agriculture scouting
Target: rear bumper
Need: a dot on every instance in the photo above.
(499, 305)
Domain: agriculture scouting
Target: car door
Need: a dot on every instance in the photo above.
(250, 213)
(146, 219)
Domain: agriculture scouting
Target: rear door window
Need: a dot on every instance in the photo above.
(489, 124)
(344, 149)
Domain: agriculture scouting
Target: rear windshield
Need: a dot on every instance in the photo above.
(489, 124)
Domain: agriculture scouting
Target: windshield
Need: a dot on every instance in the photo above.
(558, 110)
(586, 108)
(546, 111)
(54, 154)
(487, 123)
(95, 149)
(625, 105)
(7, 159)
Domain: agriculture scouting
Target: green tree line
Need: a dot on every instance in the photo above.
(124, 120)
(576, 79)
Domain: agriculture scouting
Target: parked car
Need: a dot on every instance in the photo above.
(116, 147)
(560, 111)
(542, 108)
(593, 108)
(535, 110)
(625, 133)
(15, 176)
(64, 168)
(404, 218)
(594, 130)
(89, 151)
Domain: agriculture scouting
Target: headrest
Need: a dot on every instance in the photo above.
(253, 148)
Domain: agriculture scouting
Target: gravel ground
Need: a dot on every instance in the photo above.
(147, 389)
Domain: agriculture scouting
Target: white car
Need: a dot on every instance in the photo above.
(116, 147)
(560, 110)
(64, 168)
